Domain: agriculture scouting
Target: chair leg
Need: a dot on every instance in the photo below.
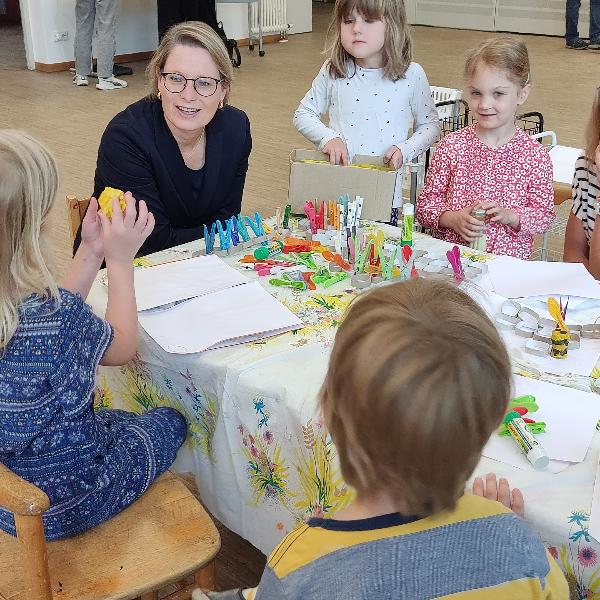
(205, 577)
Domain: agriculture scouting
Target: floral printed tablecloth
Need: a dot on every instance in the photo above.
(261, 455)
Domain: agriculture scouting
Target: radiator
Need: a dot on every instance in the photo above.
(274, 17)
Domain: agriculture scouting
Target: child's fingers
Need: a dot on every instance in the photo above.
(104, 222)
(142, 216)
(504, 492)
(92, 212)
(491, 487)
(518, 503)
(149, 226)
(344, 158)
(478, 486)
(130, 210)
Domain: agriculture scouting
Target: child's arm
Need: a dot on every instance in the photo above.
(123, 236)
(537, 214)
(433, 209)
(576, 247)
(88, 258)
(307, 118)
(426, 130)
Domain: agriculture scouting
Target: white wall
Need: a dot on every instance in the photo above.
(137, 29)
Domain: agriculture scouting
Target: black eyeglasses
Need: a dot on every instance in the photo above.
(176, 82)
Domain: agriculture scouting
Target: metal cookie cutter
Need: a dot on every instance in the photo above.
(537, 347)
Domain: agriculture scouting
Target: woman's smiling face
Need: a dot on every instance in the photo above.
(187, 111)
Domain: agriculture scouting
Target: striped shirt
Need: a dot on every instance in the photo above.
(585, 193)
(479, 551)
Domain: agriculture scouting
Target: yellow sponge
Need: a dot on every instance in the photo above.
(105, 200)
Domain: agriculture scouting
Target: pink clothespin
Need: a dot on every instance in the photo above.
(454, 260)
(311, 213)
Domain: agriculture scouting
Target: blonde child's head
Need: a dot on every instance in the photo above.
(28, 186)
(397, 46)
(592, 134)
(418, 380)
(506, 54)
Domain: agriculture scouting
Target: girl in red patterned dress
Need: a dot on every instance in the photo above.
(492, 164)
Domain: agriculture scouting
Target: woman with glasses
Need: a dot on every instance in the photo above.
(182, 149)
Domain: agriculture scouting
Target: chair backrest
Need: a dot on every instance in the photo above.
(76, 209)
(531, 122)
(442, 94)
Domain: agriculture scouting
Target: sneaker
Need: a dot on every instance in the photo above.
(80, 80)
(578, 44)
(110, 83)
(594, 44)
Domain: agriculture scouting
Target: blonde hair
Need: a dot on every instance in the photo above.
(194, 34)
(507, 54)
(418, 379)
(397, 48)
(592, 132)
(28, 186)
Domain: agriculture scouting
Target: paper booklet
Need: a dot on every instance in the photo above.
(235, 315)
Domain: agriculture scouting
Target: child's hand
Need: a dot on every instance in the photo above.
(500, 491)
(91, 230)
(125, 233)
(393, 157)
(465, 224)
(597, 157)
(504, 216)
(337, 151)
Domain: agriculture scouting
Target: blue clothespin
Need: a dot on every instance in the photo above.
(242, 229)
(235, 238)
(224, 236)
(257, 228)
(209, 238)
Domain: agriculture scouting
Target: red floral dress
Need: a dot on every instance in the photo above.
(517, 175)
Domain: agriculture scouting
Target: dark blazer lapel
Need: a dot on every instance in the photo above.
(212, 162)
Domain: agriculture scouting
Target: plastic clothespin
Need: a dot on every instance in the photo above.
(311, 213)
(256, 227)
(335, 278)
(209, 238)
(224, 236)
(286, 216)
(278, 218)
(242, 230)
(407, 262)
(297, 285)
(387, 264)
(361, 257)
(232, 224)
(321, 216)
(454, 260)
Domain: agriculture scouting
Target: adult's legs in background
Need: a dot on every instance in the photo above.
(169, 13)
(85, 14)
(106, 12)
(595, 22)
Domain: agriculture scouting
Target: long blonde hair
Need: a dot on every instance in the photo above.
(28, 186)
(397, 48)
(194, 34)
(592, 132)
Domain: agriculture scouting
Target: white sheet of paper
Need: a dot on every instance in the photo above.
(183, 279)
(514, 278)
(570, 416)
(235, 315)
(563, 162)
(595, 511)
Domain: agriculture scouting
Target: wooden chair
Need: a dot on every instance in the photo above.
(161, 538)
(76, 209)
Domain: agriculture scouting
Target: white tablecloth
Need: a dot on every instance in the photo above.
(258, 448)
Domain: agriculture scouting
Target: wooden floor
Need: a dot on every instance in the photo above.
(71, 120)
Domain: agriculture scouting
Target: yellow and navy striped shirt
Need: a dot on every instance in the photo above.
(479, 551)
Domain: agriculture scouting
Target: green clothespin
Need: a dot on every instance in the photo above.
(361, 257)
(527, 401)
(321, 275)
(387, 265)
(297, 285)
(335, 278)
(286, 216)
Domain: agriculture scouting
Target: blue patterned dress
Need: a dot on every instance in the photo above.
(91, 464)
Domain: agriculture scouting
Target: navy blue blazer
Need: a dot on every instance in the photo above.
(138, 153)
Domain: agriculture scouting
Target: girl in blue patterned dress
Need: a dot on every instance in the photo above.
(91, 464)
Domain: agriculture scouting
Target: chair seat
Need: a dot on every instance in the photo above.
(161, 538)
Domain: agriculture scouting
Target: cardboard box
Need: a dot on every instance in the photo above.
(309, 181)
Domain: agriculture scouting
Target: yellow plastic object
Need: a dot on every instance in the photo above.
(105, 200)
(312, 161)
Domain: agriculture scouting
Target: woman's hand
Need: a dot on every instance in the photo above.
(337, 151)
(500, 492)
(504, 216)
(393, 157)
(124, 234)
(91, 230)
(463, 222)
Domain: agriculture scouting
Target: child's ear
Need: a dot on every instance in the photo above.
(523, 94)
